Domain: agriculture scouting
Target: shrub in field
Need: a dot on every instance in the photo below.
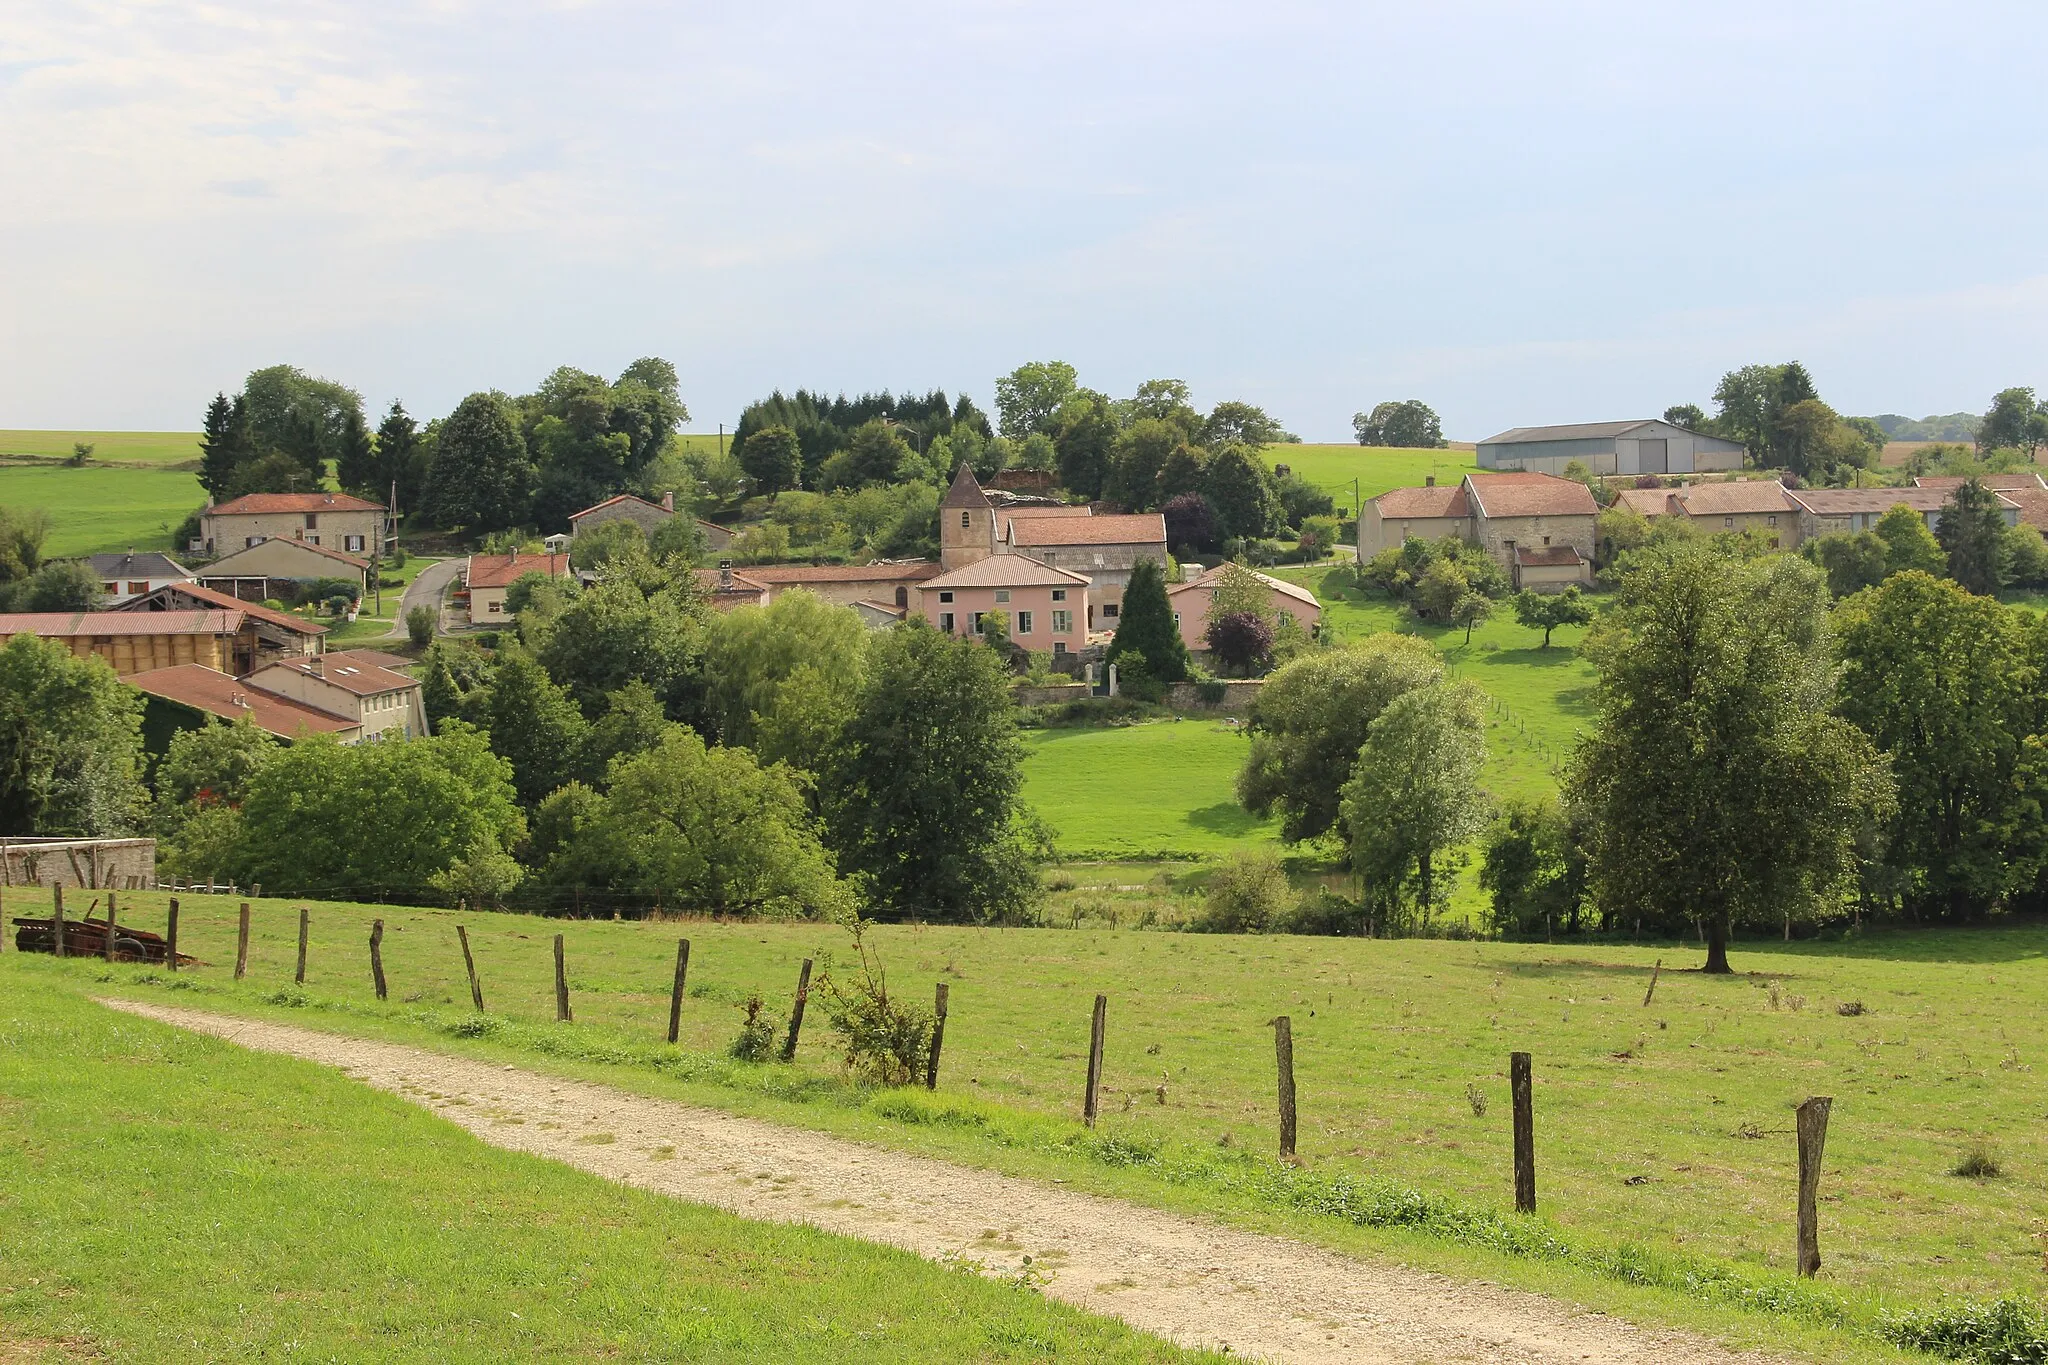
(419, 626)
(887, 1041)
(1245, 896)
(2009, 1331)
(756, 1040)
(1979, 1163)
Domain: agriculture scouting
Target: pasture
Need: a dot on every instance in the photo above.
(150, 448)
(1374, 469)
(1160, 789)
(169, 1197)
(1662, 1127)
(103, 508)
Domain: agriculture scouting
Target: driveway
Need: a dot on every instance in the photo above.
(429, 589)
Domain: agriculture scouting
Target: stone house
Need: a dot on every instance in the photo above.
(1762, 506)
(1825, 510)
(1105, 549)
(184, 696)
(352, 525)
(1047, 606)
(382, 703)
(1503, 514)
(889, 583)
(251, 574)
(649, 517)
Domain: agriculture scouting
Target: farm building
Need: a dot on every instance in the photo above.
(184, 696)
(2017, 481)
(1191, 604)
(730, 588)
(129, 575)
(648, 516)
(382, 703)
(1513, 517)
(1759, 505)
(1822, 510)
(354, 526)
(485, 578)
(256, 573)
(1645, 447)
(135, 642)
(265, 634)
(888, 584)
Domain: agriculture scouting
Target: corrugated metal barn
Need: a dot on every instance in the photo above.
(1644, 447)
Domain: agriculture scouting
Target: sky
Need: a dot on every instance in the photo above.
(1518, 214)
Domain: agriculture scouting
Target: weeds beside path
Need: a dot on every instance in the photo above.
(1197, 1283)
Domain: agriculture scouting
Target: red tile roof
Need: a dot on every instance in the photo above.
(1651, 502)
(1736, 498)
(64, 624)
(181, 592)
(1841, 502)
(253, 503)
(741, 591)
(1547, 556)
(501, 571)
(2002, 483)
(308, 546)
(1207, 583)
(623, 497)
(1414, 504)
(1006, 571)
(2033, 505)
(349, 673)
(1139, 528)
(204, 689)
(1529, 495)
(901, 571)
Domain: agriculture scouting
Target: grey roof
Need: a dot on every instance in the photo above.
(148, 564)
(1574, 431)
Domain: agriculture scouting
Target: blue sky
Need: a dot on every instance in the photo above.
(1518, 214)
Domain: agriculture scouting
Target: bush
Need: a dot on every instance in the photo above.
(756, 1040)
(419, 626)
(2007, 1331)
(887, 1042)
(1245, 896)
(1134, 679)
(1979, 1163)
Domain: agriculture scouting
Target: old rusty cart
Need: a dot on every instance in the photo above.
(87, 937)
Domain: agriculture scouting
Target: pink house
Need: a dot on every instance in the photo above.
(1047, 607)
(1191, 604)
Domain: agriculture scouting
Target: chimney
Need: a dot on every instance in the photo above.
(316, 664)
(724, 575)
(668, 501)
(1429, 480)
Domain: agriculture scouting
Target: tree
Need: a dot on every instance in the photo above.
(400, 471)
(1442, 586)
(1414, 797)
(1168, 401)
(773, 460)
(1028, 397)
(2026, 557)
(1748, 402)
(210, 764)
(2016, 421)
(1241, 491)
(1411, 424)
(70, 743)
(22, 533)
(1242, 641)
(1533, 869)
(1809, 439)
(877, 455)
(1908, 544)
(224, 445)
(367, 821)
(922, 793)
(1943, 682)
(533, 724)
(420, 626)
(1084, 434)
(636, 624)
(1688, 415)
(784, 678)
(1310, 720)
(60, 585)
(1852, 560)
(291, 411)
(1135, 459)
(356, 468)
(710, 830)
(1619, 529)
(1470, 610)
(1185, 471)
(1546, 611)
(1318, 536)
(1190, 522)
(1972, 534)
(1718, 784)
(482, 477)
(1145, 626)
(1241, 424)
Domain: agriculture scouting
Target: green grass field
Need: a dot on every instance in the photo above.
(109, 447)
(1664, 1128)
(1375, 469)
(169, 1197)
(100, 508)
(1138, 791)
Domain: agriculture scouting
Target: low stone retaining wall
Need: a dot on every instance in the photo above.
(1055, 692)
(1237, 695)
(96, 863)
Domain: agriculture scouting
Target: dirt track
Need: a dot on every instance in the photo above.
(1194, 1282)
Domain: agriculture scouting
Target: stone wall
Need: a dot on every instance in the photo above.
(1055, 692)
(1237, 696)
(123, 864)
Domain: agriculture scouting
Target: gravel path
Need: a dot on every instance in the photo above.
(1194, 1282)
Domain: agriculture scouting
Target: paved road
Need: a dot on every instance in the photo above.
(428, 590)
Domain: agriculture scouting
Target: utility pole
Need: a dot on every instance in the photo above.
(721, 440)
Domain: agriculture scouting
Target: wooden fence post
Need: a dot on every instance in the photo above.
(476, 992)
(562, 1015)
(171, 937)
(675, 999)
(377, 955)
(931, 1062)
(1655, 972)
(110, 926)
(1525, 1132)
(57, 920)
(1813, 1139)
(1283, 1056)
(1096, 1029)
(796, 1012)
(304, 915)
(242, 943)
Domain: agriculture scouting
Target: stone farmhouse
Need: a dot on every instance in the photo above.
(1191, 604)
(336, 520)
(123, 576)
(1539, 528)
(1762, 506)
(352, 695)
(648, 516)
(358, 687)
(253, 574)
(1649, 446)
(1823, 510)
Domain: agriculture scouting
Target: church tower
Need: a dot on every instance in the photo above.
(967, 523)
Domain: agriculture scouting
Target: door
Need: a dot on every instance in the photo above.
(1656, 455)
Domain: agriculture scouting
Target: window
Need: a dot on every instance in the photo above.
(966, 520)
(251, 542)
(1111, 610)
(352, 543)
(312, 540)
(1098, 561)
(1062, 622)
(497, 606)
(1059, 594)
(134, 586)
(1546, 540)
(946, 622)
(1728, 521)
(1051, 556)
(312, 521)
(977, 621)
(1176, 620)
(1023, 623)
(1002, 594)
(945, 597)
(1771, 520)
(1059, 646)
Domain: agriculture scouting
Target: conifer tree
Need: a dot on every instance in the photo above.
(398, 457)
(1146, 627)
(223, 445)
(356, 468)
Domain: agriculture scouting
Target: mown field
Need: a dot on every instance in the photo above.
(112, 447)
(103, 507)
(168, 1197)
(1665, 1128)
(1160, 789)
(1375, 469)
